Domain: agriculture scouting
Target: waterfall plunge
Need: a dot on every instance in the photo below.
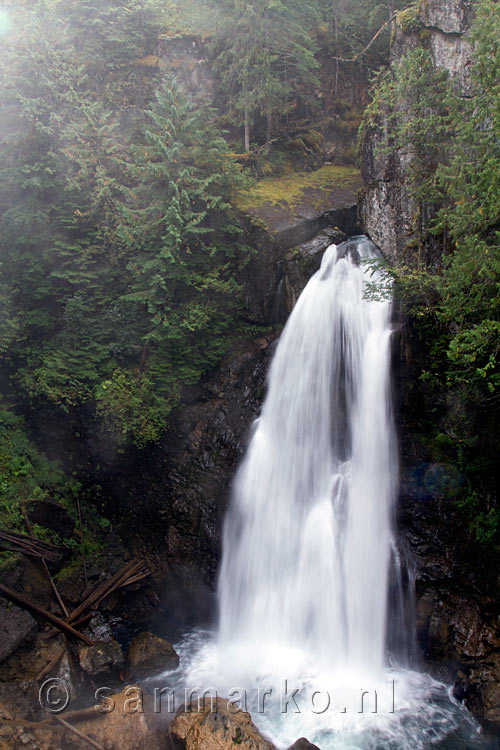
(308, 542)
(307, 538)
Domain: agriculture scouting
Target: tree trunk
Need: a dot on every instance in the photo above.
(247, 130)
(337, 48)
(269, 126)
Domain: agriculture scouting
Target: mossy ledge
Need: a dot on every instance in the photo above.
(292, 191)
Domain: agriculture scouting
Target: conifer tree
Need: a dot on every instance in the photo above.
(264, 54)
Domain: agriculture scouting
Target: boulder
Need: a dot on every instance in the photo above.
(125, 720)
(150, 655)
(303, 744)
(103, 658)
(17, 627)
(216, 725)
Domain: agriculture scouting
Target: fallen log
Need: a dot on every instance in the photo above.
(77, 733)
(130, 573)
(28, 604)
(46, 567)
(29, 545)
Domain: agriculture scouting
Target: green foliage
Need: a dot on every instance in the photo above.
(470, 286)
(348, 26)
(411, 113)
(119, 245)
(450, 148)
(409, 19)
(265, 56)
(25, 473)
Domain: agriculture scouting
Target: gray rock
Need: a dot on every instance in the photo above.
(300, 264)
(17, 627)
(276, 241)
(303, 744)
(150, 655)
(387, 209)
(103, 658)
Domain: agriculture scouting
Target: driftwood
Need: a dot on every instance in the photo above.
(29, 604)
(29, 545)
(131, 573)
(77, 732)
(46, 567)
(55, 589)
(50, 666)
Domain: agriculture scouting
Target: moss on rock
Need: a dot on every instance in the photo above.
(409, 20)
(292, 190)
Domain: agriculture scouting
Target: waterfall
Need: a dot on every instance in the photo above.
(308, 535)
(309, 551)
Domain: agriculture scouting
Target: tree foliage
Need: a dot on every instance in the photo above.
(449, 149)
(120, 246)
(265, 56)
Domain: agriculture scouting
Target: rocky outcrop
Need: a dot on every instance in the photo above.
(16, 627)
(303, 744)
(102, 660)
(125, 720)
(388, 212)
(189, 480)
(300, 264)
(274, 228)
(217, 725)
(457, 617)
(149, 655)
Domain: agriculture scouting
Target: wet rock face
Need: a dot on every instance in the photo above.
(300, 264)
(190, 476)
(303, 744)
(457, 618)
(460, 641)
(288, 254)
(387, 209)
(217, 725)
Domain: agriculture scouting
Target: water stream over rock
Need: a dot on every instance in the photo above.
(309, 547)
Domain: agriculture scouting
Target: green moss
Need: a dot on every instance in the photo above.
(290, 190)
(313, 139)
(409, 20)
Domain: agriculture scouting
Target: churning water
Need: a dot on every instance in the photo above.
(308, 541)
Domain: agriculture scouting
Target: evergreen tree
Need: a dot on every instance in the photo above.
(470, 286)
(265, 57)
(119, 247)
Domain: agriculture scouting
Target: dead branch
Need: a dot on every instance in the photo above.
(373, 39)
(29, 604)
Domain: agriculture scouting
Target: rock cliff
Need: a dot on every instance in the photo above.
(457, 617)
(387, 208)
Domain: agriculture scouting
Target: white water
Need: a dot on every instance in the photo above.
(307, 539)
(303, 586)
